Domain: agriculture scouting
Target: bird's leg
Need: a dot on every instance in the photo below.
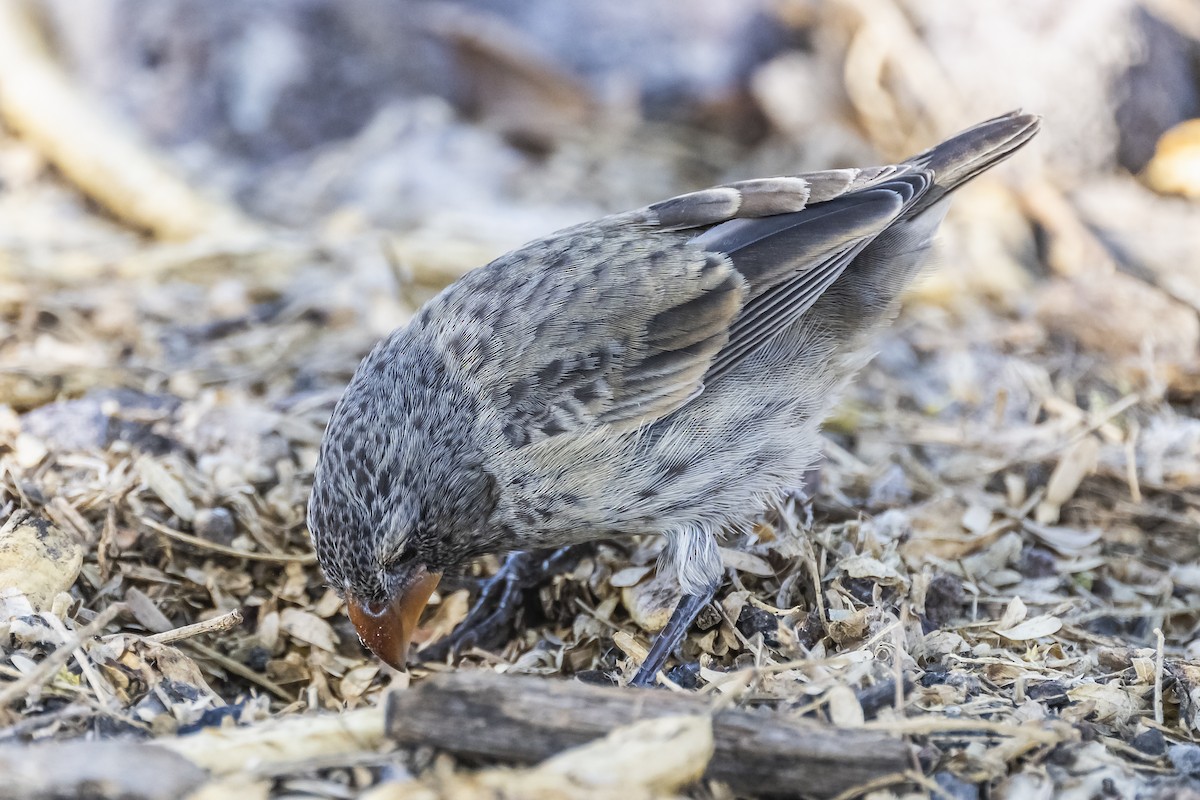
(670, 637)
(499, 600)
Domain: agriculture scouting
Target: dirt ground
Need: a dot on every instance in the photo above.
(997, 561)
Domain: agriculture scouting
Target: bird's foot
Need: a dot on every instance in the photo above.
(671, 637)
(491, 618)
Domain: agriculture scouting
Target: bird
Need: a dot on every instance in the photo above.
(661, 371)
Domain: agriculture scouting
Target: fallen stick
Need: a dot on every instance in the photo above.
(656, 741)
(612, 768)
(526, 719)
(219, 624)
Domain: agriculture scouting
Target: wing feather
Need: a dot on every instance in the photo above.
(620, 321)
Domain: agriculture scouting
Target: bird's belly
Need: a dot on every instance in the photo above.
(706, 471)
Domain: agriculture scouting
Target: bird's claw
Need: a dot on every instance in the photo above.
(491, 617)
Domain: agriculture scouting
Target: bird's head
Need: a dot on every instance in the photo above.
(399, 494)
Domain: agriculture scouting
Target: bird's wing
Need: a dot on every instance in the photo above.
(789, 260)
(619, 322)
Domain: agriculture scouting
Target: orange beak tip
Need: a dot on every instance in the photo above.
(387, 628)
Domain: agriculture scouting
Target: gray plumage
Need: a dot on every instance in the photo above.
(664, 370)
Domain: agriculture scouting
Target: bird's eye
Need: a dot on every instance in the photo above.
(403, 556)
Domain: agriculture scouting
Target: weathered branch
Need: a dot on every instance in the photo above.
(527, 719)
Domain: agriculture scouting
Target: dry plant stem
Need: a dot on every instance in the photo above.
(54, 662)
(232, 552)
(898, 662)
(928, 785)
(104, 160)
(1112, 412)
(1131, 470)
(265, 747)
(1158, 675)
(885, 43)
(242, 671)
(98, 685)
(924, 726)
(219, 624)
(30, 725)
(747, 674)
(1074, 248)
(1137, 611)
(526, 719)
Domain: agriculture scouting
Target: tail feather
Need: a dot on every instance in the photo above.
(977, 149)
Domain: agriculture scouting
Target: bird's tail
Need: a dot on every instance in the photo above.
(977, 149)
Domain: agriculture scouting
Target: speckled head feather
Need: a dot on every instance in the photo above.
(664, 371)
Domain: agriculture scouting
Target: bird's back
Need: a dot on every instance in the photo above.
(667, 369)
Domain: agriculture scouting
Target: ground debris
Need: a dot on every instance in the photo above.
(996, 566)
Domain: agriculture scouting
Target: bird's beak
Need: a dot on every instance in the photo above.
(388, 627)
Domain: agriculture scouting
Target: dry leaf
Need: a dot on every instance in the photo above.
(863, 566)
(167, 487)
(450, 612)
(630, 646)
(1144, 669)
(844, 709)
(1033, 628)
(977, 519)
(1077, 462)
(308, 627)
(1112, 702)
(850, 628)
(742, 561)
(651, 602)
(1014, 613)
(630, 576)
(1067, 541)
(355, 682)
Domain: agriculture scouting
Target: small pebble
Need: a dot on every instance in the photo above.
(1052, 693)
(953, 786)
(1150, 741)
(754, 620)
(215, 524)
(1186, 759)
(686, 676)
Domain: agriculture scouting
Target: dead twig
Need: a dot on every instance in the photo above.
(1160, 644)
(526, 719)
(241, 670)
(928, 726)
(219, 624)
(232, 552)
